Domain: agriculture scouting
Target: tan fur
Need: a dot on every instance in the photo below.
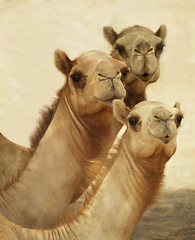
(13, 157)
(13, 160)
(79, 126)
(46, 116)
(125, 187)
(140, 48)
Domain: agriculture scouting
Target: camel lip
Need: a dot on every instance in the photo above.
(109, 102)
(145, 75)
(166, 139)
(109, 98)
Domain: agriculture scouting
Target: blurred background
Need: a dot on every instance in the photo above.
(31, 30)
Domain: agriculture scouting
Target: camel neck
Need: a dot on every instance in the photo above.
(135, 91)
(54, 166)
(127, 190)
(56, 171)
(132, 98)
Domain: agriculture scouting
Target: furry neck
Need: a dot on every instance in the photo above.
(135, 91)
(55, 171)
(132, 98)
(53, 168)
(128, 189)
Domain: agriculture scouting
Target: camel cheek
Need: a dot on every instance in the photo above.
(137, 64)
(150, 64)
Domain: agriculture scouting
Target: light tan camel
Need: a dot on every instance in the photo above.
(140, 48)
(127, 185)
(14, 158)
(79, 126)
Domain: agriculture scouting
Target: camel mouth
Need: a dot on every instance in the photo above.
(164, 139)
(145, 75)
(167, 139)
(109, 101)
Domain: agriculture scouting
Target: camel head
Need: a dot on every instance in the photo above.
(94, 79)
(152, 126)
(140, 48)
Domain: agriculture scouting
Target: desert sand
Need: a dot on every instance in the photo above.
(31, 30)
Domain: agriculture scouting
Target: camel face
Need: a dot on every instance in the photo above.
(163, 123)
(139, 48)
(153, 126)
(94, 80)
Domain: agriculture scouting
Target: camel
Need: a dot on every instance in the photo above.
(76, 129)
(140, 48)
(127, 184)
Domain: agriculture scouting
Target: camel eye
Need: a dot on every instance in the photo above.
(121, 51)
(78, 78)
(75, 77)
(133, 120)
(179, 118)
(151, 49)
(135, 50)
(159, 48)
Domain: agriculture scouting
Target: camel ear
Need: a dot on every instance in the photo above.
(62, 62)
(177, 105)
(110, 35)
(120, 111)
(161, 32)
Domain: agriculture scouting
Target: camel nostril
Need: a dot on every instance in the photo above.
(145, 75)
(100, 75)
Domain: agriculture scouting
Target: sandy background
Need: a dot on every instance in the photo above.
(31, 30)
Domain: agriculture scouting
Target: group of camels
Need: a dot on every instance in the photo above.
(100, 138)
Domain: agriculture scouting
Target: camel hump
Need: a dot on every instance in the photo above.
(13, 160)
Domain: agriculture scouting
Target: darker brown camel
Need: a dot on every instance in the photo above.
(140, 48)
